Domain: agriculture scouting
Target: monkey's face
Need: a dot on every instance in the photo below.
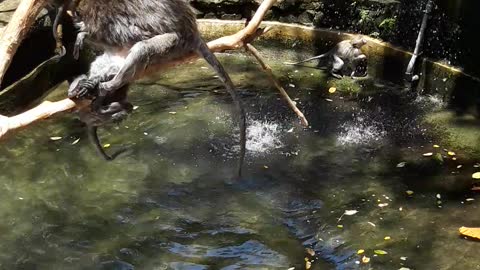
(359, 42)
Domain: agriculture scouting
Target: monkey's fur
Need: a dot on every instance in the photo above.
(344, 58)
(146, 32)
(115, 107)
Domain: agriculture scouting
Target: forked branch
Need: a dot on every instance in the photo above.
(47, 109)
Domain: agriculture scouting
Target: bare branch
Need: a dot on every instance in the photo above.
(277, 84)
(47, 108)
(16, 30)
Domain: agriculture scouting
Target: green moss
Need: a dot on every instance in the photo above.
(387, 26)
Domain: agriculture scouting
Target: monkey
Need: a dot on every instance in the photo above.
(147, 32)
(115, 108)
(345, 56)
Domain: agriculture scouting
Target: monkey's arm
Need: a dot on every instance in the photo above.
(79, 44)
(139, 56)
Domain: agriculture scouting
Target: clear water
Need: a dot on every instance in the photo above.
(169, 202)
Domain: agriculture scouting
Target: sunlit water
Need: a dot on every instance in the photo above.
(170, 201)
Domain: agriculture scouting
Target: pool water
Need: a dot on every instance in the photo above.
(170, 201)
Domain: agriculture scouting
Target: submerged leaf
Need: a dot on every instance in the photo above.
(350, 212)
(365, 259)
(380, 252)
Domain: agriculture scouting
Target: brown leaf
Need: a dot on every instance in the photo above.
(470, 232)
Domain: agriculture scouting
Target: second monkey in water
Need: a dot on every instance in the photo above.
(344, 58)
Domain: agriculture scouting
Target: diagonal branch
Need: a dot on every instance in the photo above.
(277, 84)
(47, 109)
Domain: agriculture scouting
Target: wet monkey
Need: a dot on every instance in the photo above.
(146, 32)
(345, 56)
(114, 109)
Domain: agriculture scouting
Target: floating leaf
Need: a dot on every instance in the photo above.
(380, 252)
(470, 199)
(350, 212)
(470, 232)
(387, 238)
(403, 258)
(429, 154)
(107, 145)
(476, 176)
(450, 153)
(401, 164)
(404, 268)
(329, 100)
(409, 192)
(371, 223)
(454, 158)
(135, 107)
(476, 188)
(459, 166)
(332, 90)
(360, 251)
(308, 265)
(340, 226)
(436, 146)
(365, 259)
(382, 204)
(265, 166)
(438, 196)
(55, 138)
(172, 112)
(76, 141)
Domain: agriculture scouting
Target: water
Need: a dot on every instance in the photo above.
(169, 202)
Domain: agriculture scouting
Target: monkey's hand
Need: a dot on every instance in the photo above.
(82, 87)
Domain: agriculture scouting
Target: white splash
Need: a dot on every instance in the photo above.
(263, 137)
(434, 102)
(359, 132)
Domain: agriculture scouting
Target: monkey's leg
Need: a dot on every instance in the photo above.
(92, 134)
(137, 60)
(337, 66)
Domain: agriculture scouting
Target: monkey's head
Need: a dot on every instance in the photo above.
(359, 42)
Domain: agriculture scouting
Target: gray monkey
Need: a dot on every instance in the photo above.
(145, 32)
(114, 108)
(343, 58)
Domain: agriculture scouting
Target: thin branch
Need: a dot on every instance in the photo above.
(277, 84)
(47, 109)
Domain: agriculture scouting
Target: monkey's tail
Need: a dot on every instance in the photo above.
(204, 51)
(92, 134)
(309, 59)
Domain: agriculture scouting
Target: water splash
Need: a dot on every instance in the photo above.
(263, 137)
(360, 131)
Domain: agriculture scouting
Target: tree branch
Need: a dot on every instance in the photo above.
(16, 30)
(277, 84)
(47, 108)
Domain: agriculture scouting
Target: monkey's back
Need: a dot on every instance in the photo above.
(122, 23)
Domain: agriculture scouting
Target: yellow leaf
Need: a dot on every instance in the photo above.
(308, 265)
(360, 251)
(106, 145)
(409, 192)
(380, 252)
(470, 232)
(387, 238)
(332, 90)
(310, 251)
(365, 259)
(450, 153)
(476, 176)
(265, 166)
(436, 146)
(340, 226)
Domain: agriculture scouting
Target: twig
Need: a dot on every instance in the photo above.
(277, 84)
(48, 109)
